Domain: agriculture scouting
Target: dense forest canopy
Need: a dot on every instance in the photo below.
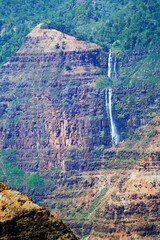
(134, 23)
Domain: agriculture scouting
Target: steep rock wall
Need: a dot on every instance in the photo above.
(52, 114)
(120, 200)
(53, 123)
(53, 118)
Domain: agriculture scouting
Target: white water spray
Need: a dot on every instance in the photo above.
(113, 129)
(115, 67)
(112, 65)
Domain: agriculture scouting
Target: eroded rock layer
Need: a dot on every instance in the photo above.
(123, 200)
(54, 128)
(20, 218)
(51, 111)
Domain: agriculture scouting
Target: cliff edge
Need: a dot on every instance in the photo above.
(51, 40)
(20, 218)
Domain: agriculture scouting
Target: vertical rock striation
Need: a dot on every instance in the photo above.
(52, 114)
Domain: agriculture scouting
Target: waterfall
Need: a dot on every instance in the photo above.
(113, 130)
(112, 73)
(112, 65)
(115, 67)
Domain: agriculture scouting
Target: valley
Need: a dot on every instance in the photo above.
(56, 141)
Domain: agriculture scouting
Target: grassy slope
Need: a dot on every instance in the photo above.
(144, 71)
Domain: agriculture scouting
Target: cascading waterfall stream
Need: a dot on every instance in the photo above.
(112, 73)
(115, 67)
(109, 63)
(112, 65)
(113, 129)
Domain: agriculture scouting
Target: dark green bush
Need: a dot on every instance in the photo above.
(68, 67)
(57, 46)
(35, 180)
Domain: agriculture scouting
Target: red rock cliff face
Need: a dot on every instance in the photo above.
(53, 122)
(51, 111)
(122, 201)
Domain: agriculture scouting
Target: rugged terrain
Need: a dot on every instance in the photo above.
(121, 201)
(20, 218)
(49, 101)
(55, 136)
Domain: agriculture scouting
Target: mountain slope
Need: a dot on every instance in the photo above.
(51, 111)
(134, 23)
(55, 135)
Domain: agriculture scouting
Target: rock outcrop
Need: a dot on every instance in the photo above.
(21, 219)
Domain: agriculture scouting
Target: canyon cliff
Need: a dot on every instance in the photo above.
(120, 201)
(55, 135)
(50, 106)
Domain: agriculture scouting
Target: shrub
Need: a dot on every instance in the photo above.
(17, 171)
(117, 45)
(102, 134)
(57, 46)
(121, 116)
(35, 180)
(68, 67)
(103, 82)
(145, 217)
(117, 107)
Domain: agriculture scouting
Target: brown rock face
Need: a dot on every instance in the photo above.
(51, 112)
(20, 218)
(53, 129)
(123, 200)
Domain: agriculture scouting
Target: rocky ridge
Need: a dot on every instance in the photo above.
(20, 218)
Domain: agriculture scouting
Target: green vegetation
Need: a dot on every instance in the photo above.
(117, 107)
(120, 116)
(88, 213)
(145, 71)
(141, 137)
(145, 217)
(117, 46)
(68, 67)
(9, 169)
(103, 82)
(15, 177)
(34, 181)
(121, 24)
(102, 134)
(100, 147)
(15, 120)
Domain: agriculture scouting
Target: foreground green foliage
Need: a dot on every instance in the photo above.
(125, 24)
